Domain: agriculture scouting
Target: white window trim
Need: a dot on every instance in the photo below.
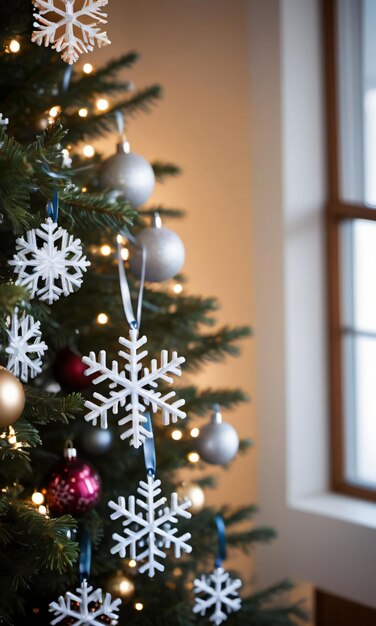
(324, 538)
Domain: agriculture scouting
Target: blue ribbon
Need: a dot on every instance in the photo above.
(85, 553)
(133, 321)
(53, 206)
(67, 78)
(221, 530)
(149, 449)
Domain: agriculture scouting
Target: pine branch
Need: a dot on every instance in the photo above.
(42, 407)
(162, 170)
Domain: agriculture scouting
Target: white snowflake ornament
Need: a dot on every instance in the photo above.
(219, 593)
(150, 530)
(49, 262)
(70, 26)
(25, 347)
(86, 607)
(134, 389)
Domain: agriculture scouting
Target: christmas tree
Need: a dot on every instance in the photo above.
(61, 206)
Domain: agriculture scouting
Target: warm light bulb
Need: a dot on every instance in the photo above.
(14, 46)
(193, 457)
(126, 587)
(42, 509)
(84, 189)
(54, 111)
(88, 151)
(124, 254)
(102, 318)
(176, 434)
(83, 112)
(138, 606)
(37, 498)
(120, 239)
(105, 249)
(132, 563)
(102, 104)
(195, 432)
(178, 288)
(88, 68)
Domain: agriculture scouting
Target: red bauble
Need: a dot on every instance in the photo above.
(69, 371)
(74, 486)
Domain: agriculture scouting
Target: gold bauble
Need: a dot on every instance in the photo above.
(194, 493)
(120, 586)
(12, 398)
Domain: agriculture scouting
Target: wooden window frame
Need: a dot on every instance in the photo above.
(336, 212)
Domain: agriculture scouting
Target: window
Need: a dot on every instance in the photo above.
(350, 29)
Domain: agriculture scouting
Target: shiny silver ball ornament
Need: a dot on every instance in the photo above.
(164, 249)
(96, 440)
(218, 442)
(128, 175)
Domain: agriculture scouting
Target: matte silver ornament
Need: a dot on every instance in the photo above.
(128, 175)
(165, 253)
(218, 442)
(96, 440)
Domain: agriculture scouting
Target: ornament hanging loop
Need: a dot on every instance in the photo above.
(221, 530)
(149, 449)
(133, 321)
(85, 554)
(53, 207)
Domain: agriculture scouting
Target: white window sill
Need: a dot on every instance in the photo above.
(335, 506)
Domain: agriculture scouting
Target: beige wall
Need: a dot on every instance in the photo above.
(198, 51)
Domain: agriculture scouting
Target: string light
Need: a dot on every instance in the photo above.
(125, 254)
(102, 318)
(178, 288)
(105, 249)
(102, 104)
(14, 46)
(83, 112)
(176, 434)
(12, 436)
(88, 151)
(37, 498)
(193, 457)
(195, 432)
(84, 189)
(42, 509)
(138, 606)
(132, 563)
(87, 68)
(54, 111)
(120, 239)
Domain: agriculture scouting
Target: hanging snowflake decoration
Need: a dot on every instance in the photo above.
(132, 389)
(71, 29)
(58, 263)
(220, 593)
(25, 347)
(151, 530)
(86, 607)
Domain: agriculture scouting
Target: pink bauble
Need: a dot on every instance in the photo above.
(74, 487)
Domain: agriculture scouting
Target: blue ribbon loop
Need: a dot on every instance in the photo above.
(133, 321)
(67, 78)
(53, 206)
(149, 449)
(85, 553)
(221, 530)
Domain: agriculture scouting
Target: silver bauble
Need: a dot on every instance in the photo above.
(96, 440)
(218, 441)
(127, 175)
(165, 253)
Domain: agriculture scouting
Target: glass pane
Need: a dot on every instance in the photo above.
(357, 99)
(358, 254)
(360, 409)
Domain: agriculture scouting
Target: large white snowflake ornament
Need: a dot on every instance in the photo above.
(220, 593)
(49, 262)
(25, 347)
(150, 530)
(70, 26)
(86, 607)
(134, 389)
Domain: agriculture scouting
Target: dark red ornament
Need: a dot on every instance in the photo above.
(69, 371)
(74, 486)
